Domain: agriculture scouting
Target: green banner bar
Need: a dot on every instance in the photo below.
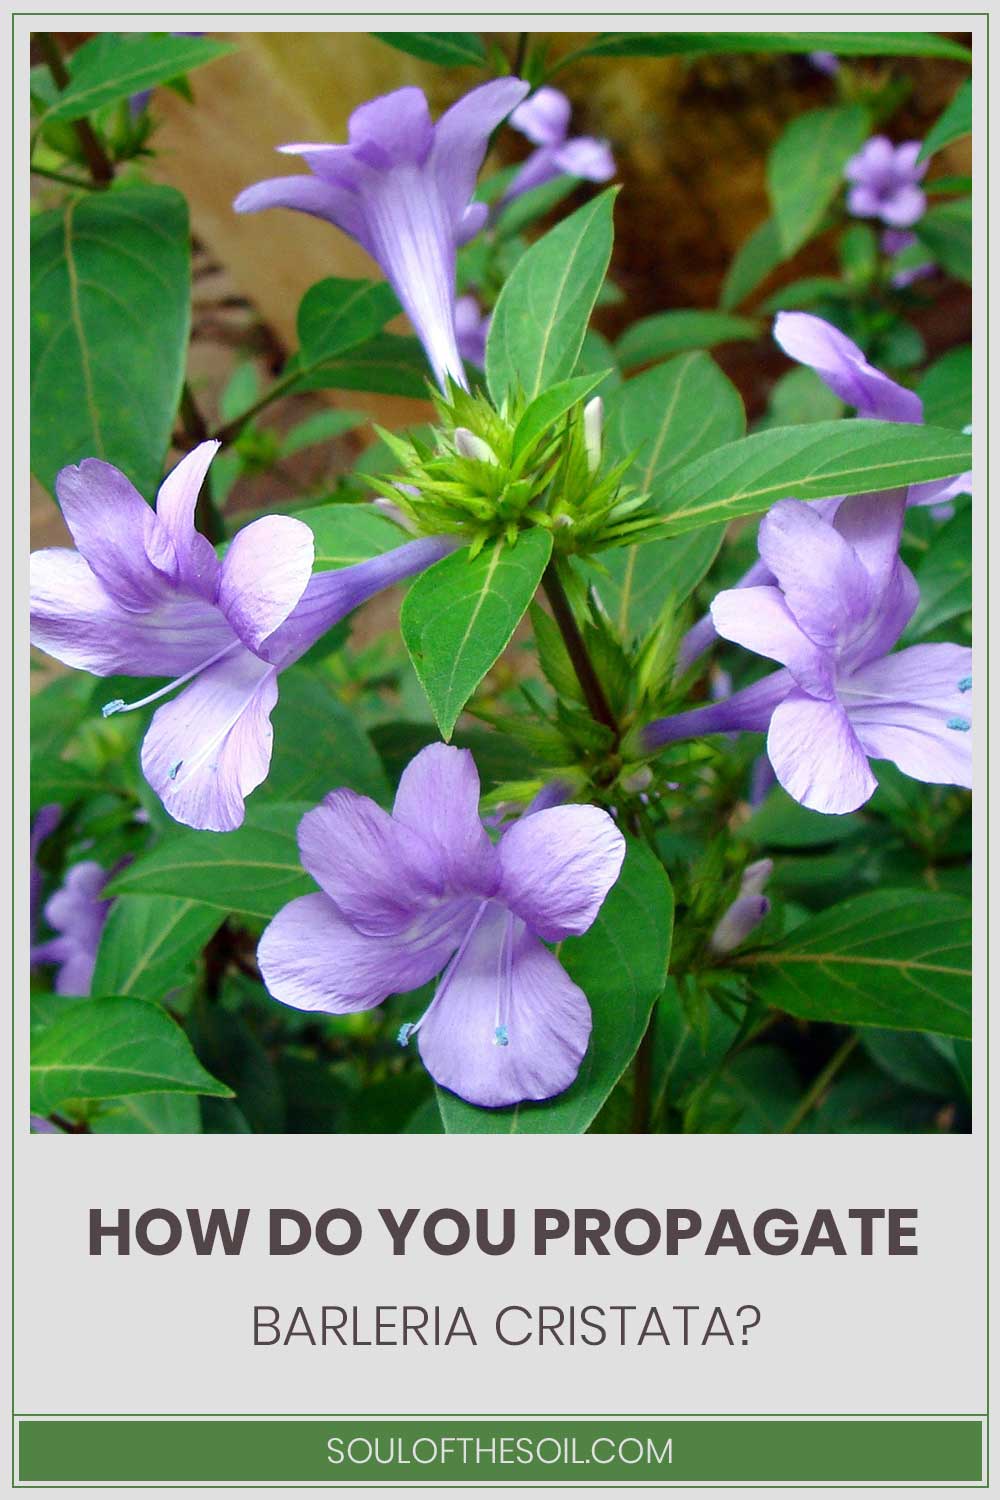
(499, 1451)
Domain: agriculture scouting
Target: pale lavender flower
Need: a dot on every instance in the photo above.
(884, 180)
(544, 119)
(824, 62)
(894, 242)
(843, 368)
(41, 1126)
(145, 595)
(44, 822)
(403, 188)
(423, 891)
(840, 601)
(77, 914)
(471, 328)
(746, 912)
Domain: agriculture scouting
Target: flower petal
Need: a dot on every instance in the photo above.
(378, 873)
(874, 160)
(557, 866)
(462, 135)
(75, 619)
(915, 709)
(309, 195)
(197, 564)
(438, 798)
(586, 157)
(904, 207)
(311, 958)
(541, 166)
(842, 366)
(748, 710)
(207, 749)
(505, 972)
(264, 575)
(940, 491)
(824, 583)
(120, 536)
(544, 118)
(759, 619)
(392, 130)
(816, 755)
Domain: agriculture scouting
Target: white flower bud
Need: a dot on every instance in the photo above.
(470, 446)
(593, 421)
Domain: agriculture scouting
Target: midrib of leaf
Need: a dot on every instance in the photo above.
(130, 82)
(145, 961)
(483, 594)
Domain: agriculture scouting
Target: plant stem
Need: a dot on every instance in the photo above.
(576, 648)
(232, 429)
(819, 1086)
(207, 517)
(65, 179)
(520, 54)
(100, 165)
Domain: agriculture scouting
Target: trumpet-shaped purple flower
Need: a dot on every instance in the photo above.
(471, 328)
(77, 914)
(883, 182)
(746, 912)
(544, 119)
(840, 601)
(423, 891)
(145, 595)
(402, 187)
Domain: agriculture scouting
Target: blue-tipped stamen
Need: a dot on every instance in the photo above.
(962, 725)
(114, 707)
(403, 1034)
(500, 1037)
(172, 773)
(964, 684)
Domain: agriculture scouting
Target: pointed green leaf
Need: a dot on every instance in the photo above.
(318, 745)
(149, 1114)
(115, 67)
(449, 48)
(944, 577)
(955, 122)
(945, 231)
(542, 313)
(806, 168)
(110, 295)
(842, 43)
(547, 408)
(809, 462)
(945, 388)
(757, 257)
(899, 959)
(674, 332)
(459, 615)
(348, 534)
(100, 1049)
(338, 314)
(621, 966)
(149, 943)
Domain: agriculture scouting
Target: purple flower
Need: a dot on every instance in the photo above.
(425, 892)
(403, 188)
(44, 822)
(544, 119)
(840, 601)
(894, 241)
(746, 912)
(145, 595)
(76, 912)
(824, 62)
(884, 179)
(471, 328)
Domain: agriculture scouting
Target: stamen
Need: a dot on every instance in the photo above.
(964, 684)
(412, 1027)
(403, 1034)
(500, 1037)
(119, 706)
(962, 725)
(172, 773)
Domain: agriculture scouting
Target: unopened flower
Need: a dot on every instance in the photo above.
(840, 601)
(423, 891)
(544, 119)
(746, 912)
(402, 187)
(471, 328)
(884, 180)
(145, 595)
(77, 915)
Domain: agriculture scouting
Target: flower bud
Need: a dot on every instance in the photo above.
(746, 912)
(593, 420)
(470, 446)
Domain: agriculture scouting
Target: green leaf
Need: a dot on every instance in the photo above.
(955, 122)
(945, 231)
(390, 364)
(459, 615)
(806, 292)
(523, 210)
(547, 408)
(148, 944)
(900, 959)
(110, 294)
(914, 1059)
(621, 966)
(945, 388)
(449, 48)
(944, 577)
(757, 257)
(252, 871)
(805, 168)
(100, 1049)
(120, 66)
(842, 43)
(674, 332)
(666, 418)
(782, 823)
(541, 315)
(800, 396)
(337, 314)
(348, 534)
(808, 462)
(319, 745)
(149, 1114)
(321, 427)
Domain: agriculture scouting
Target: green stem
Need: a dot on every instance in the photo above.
(642, 1098)
(562, 611)
(233, 428)
(66, 179)
(819, 1086)
(100, 165)
(520, 54)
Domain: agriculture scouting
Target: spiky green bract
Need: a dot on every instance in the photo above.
(489, 473)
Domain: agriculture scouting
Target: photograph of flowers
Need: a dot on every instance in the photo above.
(501, 582)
